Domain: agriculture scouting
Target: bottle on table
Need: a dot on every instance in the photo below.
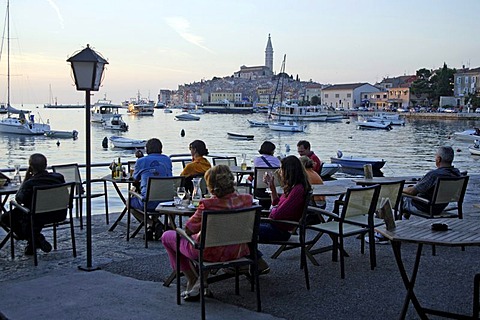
(118, 169)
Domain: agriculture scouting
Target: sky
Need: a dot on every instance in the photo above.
(160, 44)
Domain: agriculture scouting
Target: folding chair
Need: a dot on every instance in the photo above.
(71, 173)
(297, 239)
(158, 189)
(48, 203)
(222, 228)
(358, 202)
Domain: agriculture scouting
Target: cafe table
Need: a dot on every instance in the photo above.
(116, 183)
(239, 173)
(5, 192)
(460, 233)
(172, 212)
(380, 180)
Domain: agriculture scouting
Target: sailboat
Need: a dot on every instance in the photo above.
(289, 125)
(19, 124)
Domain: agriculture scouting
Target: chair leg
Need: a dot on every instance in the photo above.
(434, 250)
(371, 242)
(342, 259)
(476, 302)
(54, 236)
(303, 262)
(32, 242)
(80, 207)
(72, 234)
(202, 287)
(106, 202)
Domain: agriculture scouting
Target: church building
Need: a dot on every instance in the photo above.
(258, 71)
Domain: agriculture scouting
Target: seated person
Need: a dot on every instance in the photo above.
(199, 164)
(313, 178)
(221, 185)
(424, 188)
(303, 149)
(289, 206)
(35, 176)
(155, 164)
(266, 158)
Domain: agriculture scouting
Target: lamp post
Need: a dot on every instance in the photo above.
(87, 67)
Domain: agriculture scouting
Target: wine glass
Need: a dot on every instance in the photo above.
(181, 193)
(267, 178)
(17, 179)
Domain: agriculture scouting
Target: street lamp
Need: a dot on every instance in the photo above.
(87, 67)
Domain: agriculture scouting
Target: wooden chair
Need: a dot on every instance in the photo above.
(358, 202)
(71, 173)
(222, 228)
(296, 240)
(48, 203)
(158, 189)
(447, 190)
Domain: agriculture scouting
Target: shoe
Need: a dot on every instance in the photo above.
(43, 244)
(379, 239)
(28, 249)
(149, 234)
(159, 227)
(192, 295)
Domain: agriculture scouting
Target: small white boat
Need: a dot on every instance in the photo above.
(393, 119)
(62, 134)
(329, 169)
(167, 110)
(334, 117)
(187, 117)
(357, 163)
(127, 143)
(196, 111)
(474, 150)
(468, 135)
(115, 123)
(374, 125)
(238, 136)
(255, 123)
(288, 126)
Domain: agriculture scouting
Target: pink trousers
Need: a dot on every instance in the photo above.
(169, 240)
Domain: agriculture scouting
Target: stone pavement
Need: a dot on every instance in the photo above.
(129, 284)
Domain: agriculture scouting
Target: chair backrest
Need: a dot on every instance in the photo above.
(228, 227)
(230, 161)
(52, 198)
(258, 185)
(163, 188)
(185, 162)
(450, 189)
(392, 191)
(70, 172)
(360, 201)
(308, 197)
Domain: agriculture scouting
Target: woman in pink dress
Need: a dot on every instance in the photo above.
(221, 184)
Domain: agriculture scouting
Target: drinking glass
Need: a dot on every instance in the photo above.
(17, 179)
(267, 177)
(181, 192)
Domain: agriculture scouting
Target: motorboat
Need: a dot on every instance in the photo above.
(255, 123)
(103, 110)
(141, 109)
(186, 117)
(373, 125)
(474, 150)
(127, 143)
(62, 134)
(468, 135)
(18, 124)
(329, 169)
(238, 136)
(334, 117)
(288, 126)
(393, 119)
(226, 106)
(357, 163)
(115, 123)
(294, 112)
(167, 110)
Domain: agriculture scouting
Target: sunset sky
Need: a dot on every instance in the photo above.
(159, 44)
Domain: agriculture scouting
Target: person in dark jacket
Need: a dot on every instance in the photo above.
(37, 175)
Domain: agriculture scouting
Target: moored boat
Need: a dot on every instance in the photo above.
(226, 106)
(127, 143)
(238, 136)
(255, 123)
(393, 119)
(474, 150)
(62, 134)
(115, 123)
(357, 163)
(186, 117)
(468, 135)
(294, 112)
(373, 125)
(103, 110)
(329, 169)
(288, 126)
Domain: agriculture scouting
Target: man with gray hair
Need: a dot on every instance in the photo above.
(424, 188)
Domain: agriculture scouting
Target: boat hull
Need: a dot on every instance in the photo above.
(237, 136)
(467, 135)
(254, 123)
(187, 117)
(126, 143)
(372, 125)
(287, 127)
(358, 163)
(15, 126)
(62, 134)
(474, 151)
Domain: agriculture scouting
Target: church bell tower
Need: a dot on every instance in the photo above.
(269, 54)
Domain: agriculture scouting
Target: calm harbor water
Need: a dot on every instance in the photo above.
(408, 150)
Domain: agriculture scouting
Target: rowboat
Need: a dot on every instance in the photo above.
(62, 134)
(127, 143)
(255, 123)
(187, 117)
(238, 136)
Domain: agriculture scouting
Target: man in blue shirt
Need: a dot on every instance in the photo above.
(155, 164)
(424, 188)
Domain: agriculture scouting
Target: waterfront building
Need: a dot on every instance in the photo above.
(466, 82)
(313, 90)
(346, 96)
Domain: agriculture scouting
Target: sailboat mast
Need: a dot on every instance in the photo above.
(8, 57)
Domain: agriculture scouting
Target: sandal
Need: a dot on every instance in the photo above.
(192, 295)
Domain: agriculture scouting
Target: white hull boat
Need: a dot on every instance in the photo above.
(22, 126)
(127, 143)
(103, 110)
(372, 125)
(115, 123)
(474, 150)
(238, 136)
(62, 134)
(333, 117)
(393, 119)
(468, 135)
(254, 123)
(143, 109)
(187, 117)
(294, 112)
(288, 126)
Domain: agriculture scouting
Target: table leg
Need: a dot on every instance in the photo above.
(409, 283)
(122, 214)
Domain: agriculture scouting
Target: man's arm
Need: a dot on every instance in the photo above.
(410, 190)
